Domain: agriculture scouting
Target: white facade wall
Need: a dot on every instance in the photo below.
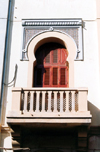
(55, 9)
(86, 71)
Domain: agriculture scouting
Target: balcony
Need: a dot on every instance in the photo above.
(49, 105)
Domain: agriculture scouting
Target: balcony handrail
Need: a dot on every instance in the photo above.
(50, 89)
(41, 100)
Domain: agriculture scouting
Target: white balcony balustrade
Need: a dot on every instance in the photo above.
(50, 104)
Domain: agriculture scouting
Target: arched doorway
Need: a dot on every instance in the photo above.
(51, 68)
(48, 37)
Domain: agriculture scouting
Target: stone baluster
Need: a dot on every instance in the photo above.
(31, 101)
(22, 101)
(73, 101)
(37, 100)
(49, 101)
(25, 101)
(61, 101)
(55, 101)
(43, 101)
(67, 101)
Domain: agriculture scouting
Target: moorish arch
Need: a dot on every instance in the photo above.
(51, 37)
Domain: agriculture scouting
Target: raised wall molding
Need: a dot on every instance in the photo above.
(32, 28)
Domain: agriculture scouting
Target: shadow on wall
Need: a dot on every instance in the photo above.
(95, 114)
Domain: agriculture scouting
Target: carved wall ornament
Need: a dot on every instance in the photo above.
(51, 29)
(70, 27)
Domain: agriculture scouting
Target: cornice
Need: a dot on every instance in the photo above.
(67, 22)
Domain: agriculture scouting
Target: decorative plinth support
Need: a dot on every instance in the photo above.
(82, 139)
(16, 139)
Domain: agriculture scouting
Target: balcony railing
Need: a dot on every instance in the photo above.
(69, 104)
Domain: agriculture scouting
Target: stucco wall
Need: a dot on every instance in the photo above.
(55, 9)
(87, 71)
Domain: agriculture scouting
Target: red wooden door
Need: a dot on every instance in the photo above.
(52, 69)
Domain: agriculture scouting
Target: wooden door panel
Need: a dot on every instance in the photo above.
(55, 76)
(63, 77)
(47, 76)
(54, 71)
(55, 56)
